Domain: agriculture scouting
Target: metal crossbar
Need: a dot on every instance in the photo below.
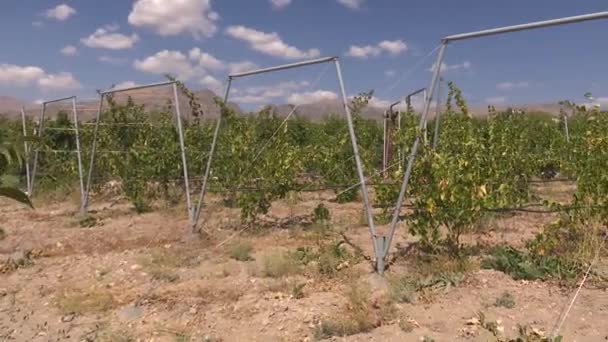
(434, 81)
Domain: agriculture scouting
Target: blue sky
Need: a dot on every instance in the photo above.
(135, 42)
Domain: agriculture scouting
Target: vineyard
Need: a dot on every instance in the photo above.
(293, 184)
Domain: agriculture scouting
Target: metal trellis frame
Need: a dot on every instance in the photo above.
(434, 80)
(32, 172)
(178, 118)
(377, 243)
(389, 116)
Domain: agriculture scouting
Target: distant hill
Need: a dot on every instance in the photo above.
(156, 98)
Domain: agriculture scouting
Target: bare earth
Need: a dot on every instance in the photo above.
(134, 278)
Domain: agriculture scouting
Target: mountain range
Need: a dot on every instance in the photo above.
(155, 98)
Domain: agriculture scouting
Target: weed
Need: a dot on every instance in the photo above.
(87, 222)
(521, 265)
(362, 315)
(297, 291)
(402, 290)
(93, 301)
(505, 300)
(513, 262)
(161, 265)
(406, 326)
(163, 274)
(428, 339)
(321, 214)
(241, 251)
(279, 265)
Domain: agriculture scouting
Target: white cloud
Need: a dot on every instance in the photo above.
(212, 84)
(37, 24)
(112, 60)
(496, 100)
(512, 85)
(206, 60)
(107, 38)
(23, 76)
(169, 18)
(60, 12)
(363, 51)
(168, 62)
(69, 50)
(269, 43)
(452, 67)
(60, 81)
(266, 94)
(390, 73)
(393, 47)
(311, 97)
(352, 4)
(125, 84)
(19, 75)
(238, 67)
(278, 4)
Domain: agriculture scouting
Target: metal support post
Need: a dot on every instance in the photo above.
(182, 145)
(30, 190)
(26, 150)
(359, 164)
(218, 124)
(414, 151)
(78, 153)
(437, 115)
(85, 203)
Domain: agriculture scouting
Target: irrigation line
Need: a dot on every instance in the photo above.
(564, 315)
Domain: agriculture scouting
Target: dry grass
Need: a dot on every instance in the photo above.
(162, 265)
(2, 234)
(361, 314)
(241, 251)
(279, 264)
(81, 302)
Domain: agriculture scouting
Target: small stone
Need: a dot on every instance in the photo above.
(193, 311)
(68, 318)
(135, 267)
(473, 321)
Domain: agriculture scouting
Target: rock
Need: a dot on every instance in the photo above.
(68, 318)
(135, 267)
(193, 311)
(473, 321)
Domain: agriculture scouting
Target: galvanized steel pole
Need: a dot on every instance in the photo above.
(437, 115)
(216, 133)
(26, 149)
(85, 203)
(528, 26)
(359, 165)
(415, 147)
(78, 154)
(182, 145)
(283, 67)
(30, 191)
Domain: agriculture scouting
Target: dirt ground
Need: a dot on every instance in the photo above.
(134, 277)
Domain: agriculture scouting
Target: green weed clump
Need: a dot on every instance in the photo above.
(505, 300)
(241, 251)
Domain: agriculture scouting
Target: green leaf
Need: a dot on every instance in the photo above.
(16, 194)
